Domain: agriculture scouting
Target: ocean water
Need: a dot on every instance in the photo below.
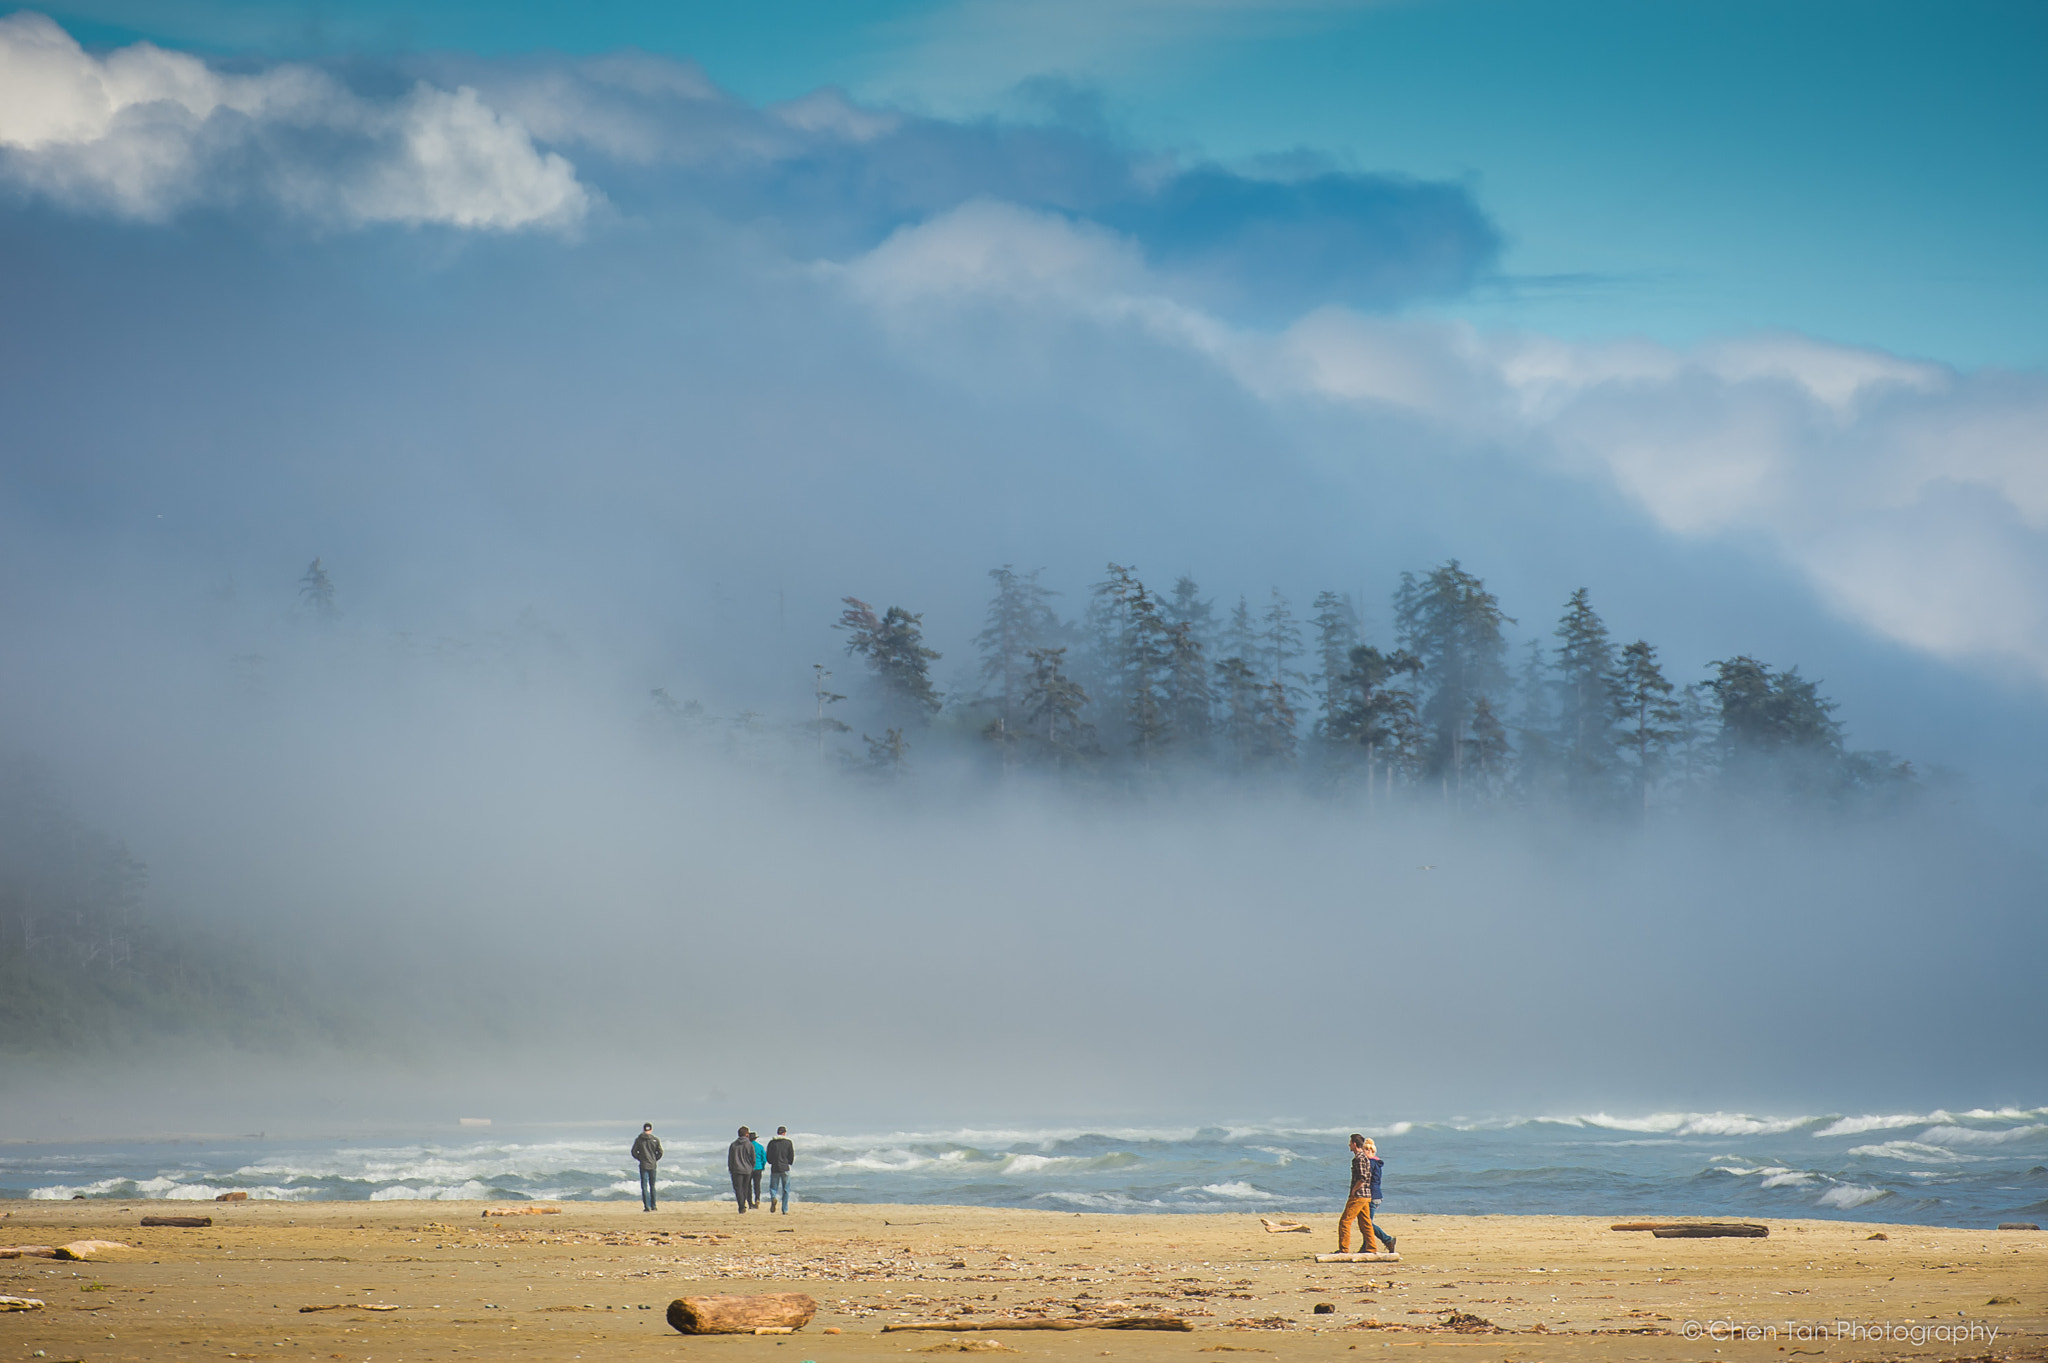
(1972, 1168)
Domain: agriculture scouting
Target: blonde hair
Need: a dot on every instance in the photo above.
(1368, 1143)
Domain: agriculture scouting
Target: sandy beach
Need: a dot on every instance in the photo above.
(594, 1280)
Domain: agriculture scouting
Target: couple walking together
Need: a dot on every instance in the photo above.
(746, 1159)
(1364, 1198)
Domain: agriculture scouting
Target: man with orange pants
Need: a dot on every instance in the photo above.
(1365, 1191)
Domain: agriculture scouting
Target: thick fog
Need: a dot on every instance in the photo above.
(684, 374)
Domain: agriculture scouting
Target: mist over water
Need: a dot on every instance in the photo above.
(433, 847)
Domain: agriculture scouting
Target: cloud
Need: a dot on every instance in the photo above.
(145, 133)
(1910, 497)
(831, 177)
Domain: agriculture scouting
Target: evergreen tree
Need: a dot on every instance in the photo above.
(1536, 766)
(887, 754)
(1190, 701)
(1106, 665)
(1699, 724)
(1148, 663)
(1054, 706)
(1641, 700)
(1240, 696)
(1186, 607)
(1273, 725)
(1585, 717)
(1373, 713)
(1453, 624)
(1241, 635)
(316, 589)
(821, 724)
(900, 664)
(1020, 618)
(1488, 750)
(1337, 633)
(1775, 724)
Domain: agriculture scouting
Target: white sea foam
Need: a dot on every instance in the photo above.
(1913, 1152)
(1239, 1189)
(1692, 1123)
(1964, 1135)
(463, 1192)
(1856, 1126)
(1788, 1178)
(1850, 1195)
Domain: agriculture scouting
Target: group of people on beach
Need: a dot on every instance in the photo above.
(746, 1159)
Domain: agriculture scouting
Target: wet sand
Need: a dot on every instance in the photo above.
(593, 1283)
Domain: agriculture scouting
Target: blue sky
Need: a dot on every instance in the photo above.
(1870, 173)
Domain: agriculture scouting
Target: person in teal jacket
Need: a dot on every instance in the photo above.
(760, 1163)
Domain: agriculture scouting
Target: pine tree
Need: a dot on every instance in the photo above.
(1373, 713)
(1020, 618)
(1536, 766)
(887, 755)
(1337, 633)
(1241, 635)
(1585, 718)
(1453, 624)
(1186, 607)
(1106, 665)
(1488, 750)
(822, 724)
(1641, 700)
(1190, 701)
(316, 589)
(1148, 664)
(900, 664)
(1239, 693)
(1775, 724)
(1054, 706)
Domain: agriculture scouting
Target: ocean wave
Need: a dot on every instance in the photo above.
(1847, 1196)
(1789, 1178)
(465, 1192)
(1238, 1189)
(1910, 1152)
(1964, 1135)
(1856, 1126)
(1691, 1123)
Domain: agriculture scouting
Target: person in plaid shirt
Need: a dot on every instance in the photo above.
(1365, 1192)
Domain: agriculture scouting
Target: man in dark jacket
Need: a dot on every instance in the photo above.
(781, 1154)
(647, 1150)
(739, 1162)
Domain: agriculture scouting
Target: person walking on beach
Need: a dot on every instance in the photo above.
(739, 1162)
(1365, 1188)
(781, 1154)
(760, 1163)
(647, 1150)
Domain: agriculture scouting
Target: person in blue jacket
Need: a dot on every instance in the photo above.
(760, 1163)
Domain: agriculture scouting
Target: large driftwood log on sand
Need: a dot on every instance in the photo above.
(85, 1249)
(770, 1311)
(177, 1220)
(1695, 1230)
(28, 1251)
(1358, 1258)
(996, 1327)
(522, 1211)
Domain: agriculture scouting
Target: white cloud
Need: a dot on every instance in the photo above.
(143, 133)
(1910, 497)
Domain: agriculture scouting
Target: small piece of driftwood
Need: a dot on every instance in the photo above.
(2017, 1225)
(177, 1220)
(742, 1315)
(231, 1197)
(522, 1211)
(350, 1306)
(1712, 1231)
(21, 1303)
(996, 1327)
(1283, 1227)
(85, 1249)
(1358, 1258)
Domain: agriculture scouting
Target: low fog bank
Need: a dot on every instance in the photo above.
(404, 882)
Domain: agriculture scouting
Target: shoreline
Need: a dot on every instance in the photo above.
(597, 1276)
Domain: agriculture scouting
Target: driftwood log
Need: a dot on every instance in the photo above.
(1712, 1231)
(2017, 1225)
(996, 1327)
(231, 1197)
(85, 1249)
(521, 1211)
(1283, 1227)
(21, 1303)
(28, 1251)
(1358, 1258)
(742, 1315)
(177, 1220)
